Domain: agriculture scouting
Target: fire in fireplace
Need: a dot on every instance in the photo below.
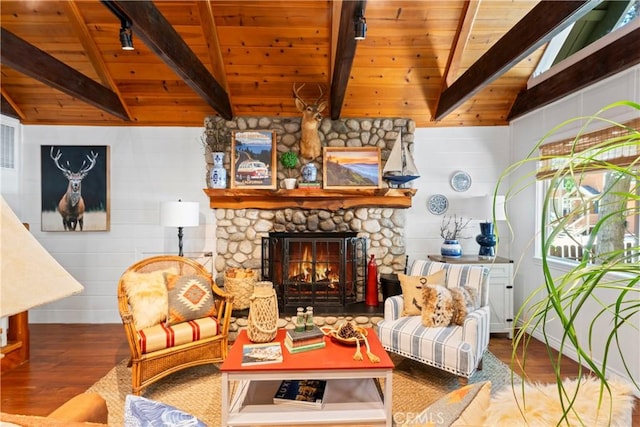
(323, 270)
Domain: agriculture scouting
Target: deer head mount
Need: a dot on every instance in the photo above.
(310, 146)
(71, 205)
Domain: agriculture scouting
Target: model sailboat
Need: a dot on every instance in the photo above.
(400, 167)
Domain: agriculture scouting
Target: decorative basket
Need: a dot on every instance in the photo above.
(239, 282)
(263, 313)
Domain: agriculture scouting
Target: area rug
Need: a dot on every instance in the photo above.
(197, 390)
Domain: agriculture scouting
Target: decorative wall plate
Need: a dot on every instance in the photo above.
(437, 204)
(460, 181)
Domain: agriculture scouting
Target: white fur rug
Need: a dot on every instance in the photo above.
(542, 407)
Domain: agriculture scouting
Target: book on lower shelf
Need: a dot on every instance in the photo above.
(292, 348)
(261, 353)
(308, 393)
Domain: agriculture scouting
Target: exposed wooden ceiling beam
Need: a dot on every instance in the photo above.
(213, 43)
(460, 42)
(150, 26)
(92, 51)
(613, 58)
(9, 108)
(33, 62)
(345, 52)
(544, 21)
(336, 8)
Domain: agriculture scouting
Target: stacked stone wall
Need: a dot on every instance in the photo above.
(239, 232)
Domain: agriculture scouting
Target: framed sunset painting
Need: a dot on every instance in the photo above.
(351, 167)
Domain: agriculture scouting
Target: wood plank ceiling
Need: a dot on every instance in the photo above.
(421, 59)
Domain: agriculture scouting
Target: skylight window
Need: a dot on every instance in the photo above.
(604, 19)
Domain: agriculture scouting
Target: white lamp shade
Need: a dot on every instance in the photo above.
(501, 215)
(180, 214)
(30, 275)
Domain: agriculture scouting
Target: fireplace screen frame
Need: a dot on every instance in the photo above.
(283, 254)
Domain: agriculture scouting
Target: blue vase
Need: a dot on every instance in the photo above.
(309, 172)
(218, 173)
(451, 249)
(487, 241)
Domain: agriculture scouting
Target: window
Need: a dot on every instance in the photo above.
(7, 147)
(605, 18)
(602, 184)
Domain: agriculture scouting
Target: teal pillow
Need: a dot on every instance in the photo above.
(143, 412)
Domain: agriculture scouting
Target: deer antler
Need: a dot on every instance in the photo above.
(55, 160)
(319, 97)
(296, 93)
(92, 162)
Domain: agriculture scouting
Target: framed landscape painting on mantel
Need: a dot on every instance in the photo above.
(351, 167)
(75, 187)
(253, 159)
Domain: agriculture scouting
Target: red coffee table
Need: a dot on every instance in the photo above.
(354, 391)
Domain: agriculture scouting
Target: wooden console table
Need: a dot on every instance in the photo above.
(500, 288)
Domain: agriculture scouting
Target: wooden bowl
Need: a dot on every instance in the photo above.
(333, 334)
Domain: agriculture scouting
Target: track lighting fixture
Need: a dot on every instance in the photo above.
(126, 36)
(360, 25)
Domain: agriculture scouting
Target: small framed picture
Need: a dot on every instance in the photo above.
(253, 159)
(351, 167)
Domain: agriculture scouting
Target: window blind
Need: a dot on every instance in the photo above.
(596, 149)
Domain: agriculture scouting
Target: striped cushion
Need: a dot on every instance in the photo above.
(160, 336)
(458, 275)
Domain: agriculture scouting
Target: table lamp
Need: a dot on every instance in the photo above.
(180, 214)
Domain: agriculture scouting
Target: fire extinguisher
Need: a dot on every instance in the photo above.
(371, 291)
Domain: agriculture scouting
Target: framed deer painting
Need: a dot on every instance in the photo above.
(75, 187)
(253, 159)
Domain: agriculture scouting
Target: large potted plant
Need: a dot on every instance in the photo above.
(605, 264)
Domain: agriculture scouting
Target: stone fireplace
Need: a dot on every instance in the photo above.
(378, 221)
(323, 270)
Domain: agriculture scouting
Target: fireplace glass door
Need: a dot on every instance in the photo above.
(323, 270)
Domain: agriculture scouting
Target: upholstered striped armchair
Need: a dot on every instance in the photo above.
(456, 349)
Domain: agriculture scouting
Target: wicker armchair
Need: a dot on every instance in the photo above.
(152, 364)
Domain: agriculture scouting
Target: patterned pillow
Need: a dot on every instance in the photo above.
(465, 406)
(147, 296)
(190, 297)
(143, 412)
(412, 290)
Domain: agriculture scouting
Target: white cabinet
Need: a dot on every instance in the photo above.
(500, 288)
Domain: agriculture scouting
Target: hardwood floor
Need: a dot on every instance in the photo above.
(66, 359)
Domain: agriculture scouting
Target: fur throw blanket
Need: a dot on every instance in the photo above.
(541, 405)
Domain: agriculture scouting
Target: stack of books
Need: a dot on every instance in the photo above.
(309, 393)
(297, 342)
(309, 185)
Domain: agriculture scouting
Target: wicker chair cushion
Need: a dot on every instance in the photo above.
(161, 336)
(190, 297)
(147, 296)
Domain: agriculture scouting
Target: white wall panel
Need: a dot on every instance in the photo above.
(482, 152)
(148, 166)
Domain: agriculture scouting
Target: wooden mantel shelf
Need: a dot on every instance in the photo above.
(309, 199)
